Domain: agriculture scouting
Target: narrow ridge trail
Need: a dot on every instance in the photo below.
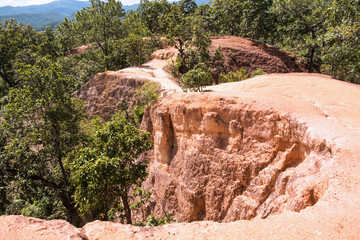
(154, 70)
(106, 92)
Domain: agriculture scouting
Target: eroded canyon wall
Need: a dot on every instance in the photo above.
(217, 158)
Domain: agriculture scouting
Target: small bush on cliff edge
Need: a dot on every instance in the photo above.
(153, 221)
(197, 78)
(257, 72)
(235, 76)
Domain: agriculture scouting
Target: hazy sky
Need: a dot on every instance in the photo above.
(37, 2)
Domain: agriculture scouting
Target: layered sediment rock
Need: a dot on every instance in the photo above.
(218, 158)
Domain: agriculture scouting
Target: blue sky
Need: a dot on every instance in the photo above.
(37, 2)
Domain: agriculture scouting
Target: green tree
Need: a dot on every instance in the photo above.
(306, 24)
(217, 64)
(99, 24)
(201, 40)
(226, 16)
(257, 20)
(198, 49)
(48, 44)
(134, 45)
(187, 33)
(67, 37)
(40, 127)
(152, 12)
(105, 171)
(188, 6)
(205, 12)
(133, 24)
(78, 68)
(14, 39)
(197, 78)
(341, 51)
(178, 26)
(247, 18)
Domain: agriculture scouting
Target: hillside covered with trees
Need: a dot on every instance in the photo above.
(56, 163)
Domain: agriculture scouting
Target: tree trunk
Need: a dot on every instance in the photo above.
(312, 51)
(124, 199)
(72, 214)
(182, 56)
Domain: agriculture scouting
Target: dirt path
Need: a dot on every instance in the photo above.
(154, 70)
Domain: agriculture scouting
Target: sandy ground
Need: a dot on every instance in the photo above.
(154, 71)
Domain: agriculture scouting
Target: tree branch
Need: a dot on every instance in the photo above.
(44, 181)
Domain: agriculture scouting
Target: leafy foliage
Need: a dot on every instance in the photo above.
(306, 24)
(178, 26)
(152, 13)
(148, 95)
(234, 76)
(14, 38)
(341, 53)
(197, 78)
(105, 171)
(99, 23)
(40, 126)
(248, 18)
(257, 72)
(153, 221)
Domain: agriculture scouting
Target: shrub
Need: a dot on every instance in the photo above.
(148, 96)
(234, 76)
(257, 72)
(197, 78)
(153, 221)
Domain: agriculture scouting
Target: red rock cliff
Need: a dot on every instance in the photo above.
(225, 158)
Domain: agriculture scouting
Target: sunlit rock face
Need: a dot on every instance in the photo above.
(222, 159)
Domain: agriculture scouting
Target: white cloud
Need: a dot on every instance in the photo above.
(38, 2)
(23, 2)
(129, 2)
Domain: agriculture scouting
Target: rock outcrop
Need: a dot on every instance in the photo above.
(250, 55)
(26, 228)
(218, 157)
(282, 149)
(106, 92)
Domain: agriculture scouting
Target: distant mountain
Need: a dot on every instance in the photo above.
(53, 13)
(50, 14)
(66, 7)
(39, 21)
